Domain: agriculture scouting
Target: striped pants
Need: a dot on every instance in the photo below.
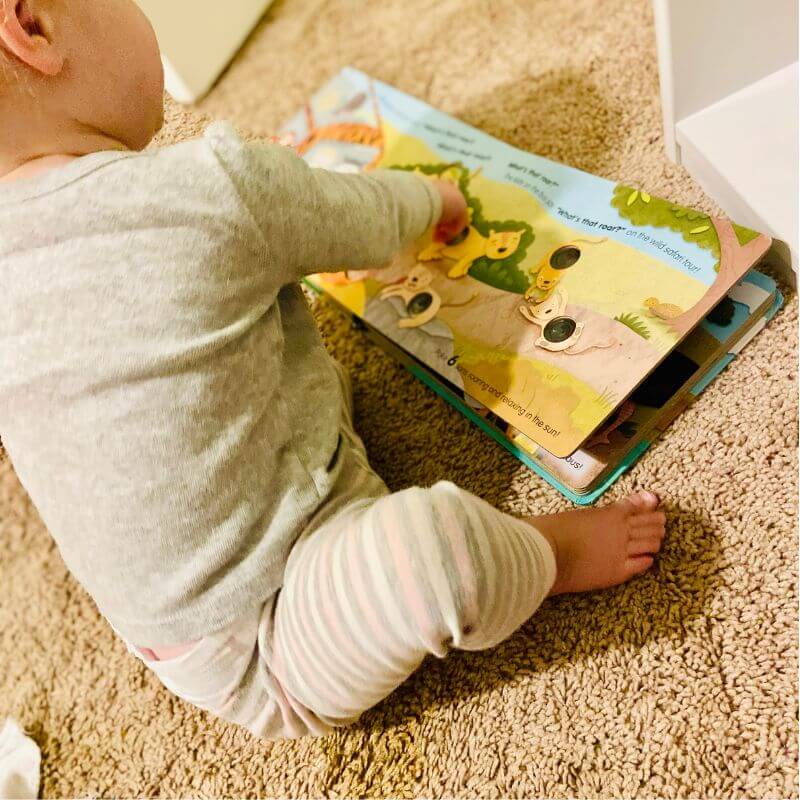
(375, 584)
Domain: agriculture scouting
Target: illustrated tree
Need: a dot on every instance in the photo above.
(736, 248)
(503, 273)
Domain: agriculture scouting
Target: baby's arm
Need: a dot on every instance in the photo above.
(313, 220)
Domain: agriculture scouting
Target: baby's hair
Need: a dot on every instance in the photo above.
(13, 77)
(7, 70)
(10, 74)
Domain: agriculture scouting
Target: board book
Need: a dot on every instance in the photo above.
(572, 319)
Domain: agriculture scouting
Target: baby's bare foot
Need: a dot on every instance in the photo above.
(603, 547)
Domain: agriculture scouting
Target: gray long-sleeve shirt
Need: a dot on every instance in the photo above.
(164, 395)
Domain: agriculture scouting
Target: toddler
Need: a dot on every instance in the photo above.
(169, 406)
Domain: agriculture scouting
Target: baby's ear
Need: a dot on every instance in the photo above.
(25, 32)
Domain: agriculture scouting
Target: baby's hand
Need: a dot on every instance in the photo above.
(455, 215)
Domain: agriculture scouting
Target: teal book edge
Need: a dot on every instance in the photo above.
(578, 499)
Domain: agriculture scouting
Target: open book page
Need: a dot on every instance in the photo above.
(561, 296)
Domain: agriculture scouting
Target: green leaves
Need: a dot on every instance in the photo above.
(639, 208)
(636, 194)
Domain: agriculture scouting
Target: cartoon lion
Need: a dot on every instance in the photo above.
(497, 245)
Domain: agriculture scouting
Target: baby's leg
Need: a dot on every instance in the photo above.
(384, 583)
(374, 591)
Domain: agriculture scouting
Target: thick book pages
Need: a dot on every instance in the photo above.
(587, 473)
(667, 391)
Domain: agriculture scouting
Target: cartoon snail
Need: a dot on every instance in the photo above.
(665, 311)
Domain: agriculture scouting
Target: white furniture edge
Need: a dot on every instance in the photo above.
(707, 52)
(199, 38)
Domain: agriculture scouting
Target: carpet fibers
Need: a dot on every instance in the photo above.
(680, 684)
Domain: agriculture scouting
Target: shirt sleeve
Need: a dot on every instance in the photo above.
(313, 220)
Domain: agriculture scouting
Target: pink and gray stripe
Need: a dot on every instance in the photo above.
(367, 595)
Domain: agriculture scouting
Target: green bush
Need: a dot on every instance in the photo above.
(503, 273)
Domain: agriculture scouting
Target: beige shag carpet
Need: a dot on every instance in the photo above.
(682, 683)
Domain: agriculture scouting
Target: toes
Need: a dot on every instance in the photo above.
(654, 519)
(639, 535)
(643, 501)
(645, 545)
(638, 564)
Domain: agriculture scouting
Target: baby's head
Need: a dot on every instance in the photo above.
(78, 67)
